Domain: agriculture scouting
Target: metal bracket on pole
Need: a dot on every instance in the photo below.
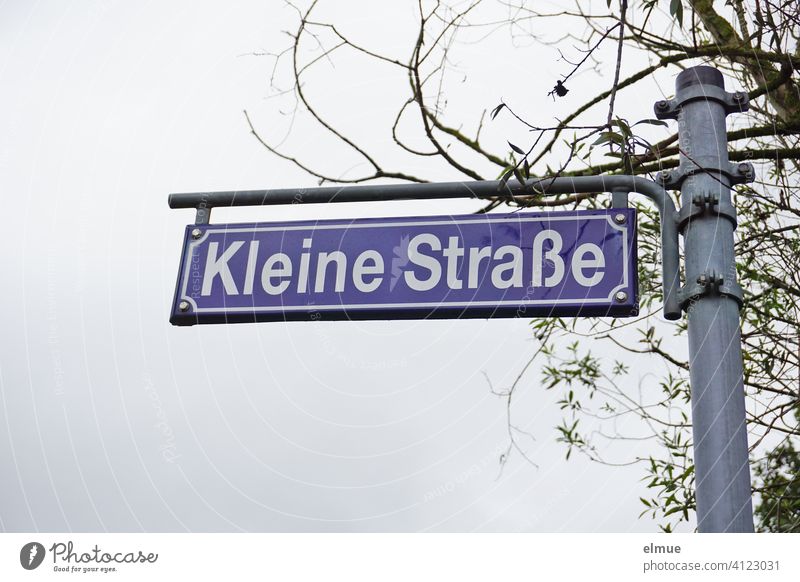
(710, 283)
(741, 173)
(737, 102)
(702, 204)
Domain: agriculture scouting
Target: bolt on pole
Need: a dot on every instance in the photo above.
(711, 296)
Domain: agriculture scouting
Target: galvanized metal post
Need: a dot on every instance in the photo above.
(711, 296)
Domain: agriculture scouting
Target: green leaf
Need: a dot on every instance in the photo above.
(497, 110)
(516, 149)
(623, 126)
(652, 122)
(676, 10)
(608, 136)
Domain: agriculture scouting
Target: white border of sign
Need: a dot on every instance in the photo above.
(389, 222)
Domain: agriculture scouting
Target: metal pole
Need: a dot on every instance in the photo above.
(712, 297)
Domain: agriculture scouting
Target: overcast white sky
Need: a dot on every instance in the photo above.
(111, 419)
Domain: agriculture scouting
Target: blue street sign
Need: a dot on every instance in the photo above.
(525, 264)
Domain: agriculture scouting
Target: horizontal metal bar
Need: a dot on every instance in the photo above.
(384, 192)
(478, 190)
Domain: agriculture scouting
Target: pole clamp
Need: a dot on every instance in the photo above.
(737, 102)
(702, 204)
(709, 283)
(741, 173)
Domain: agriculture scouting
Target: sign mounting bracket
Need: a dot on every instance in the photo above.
(618, 185)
